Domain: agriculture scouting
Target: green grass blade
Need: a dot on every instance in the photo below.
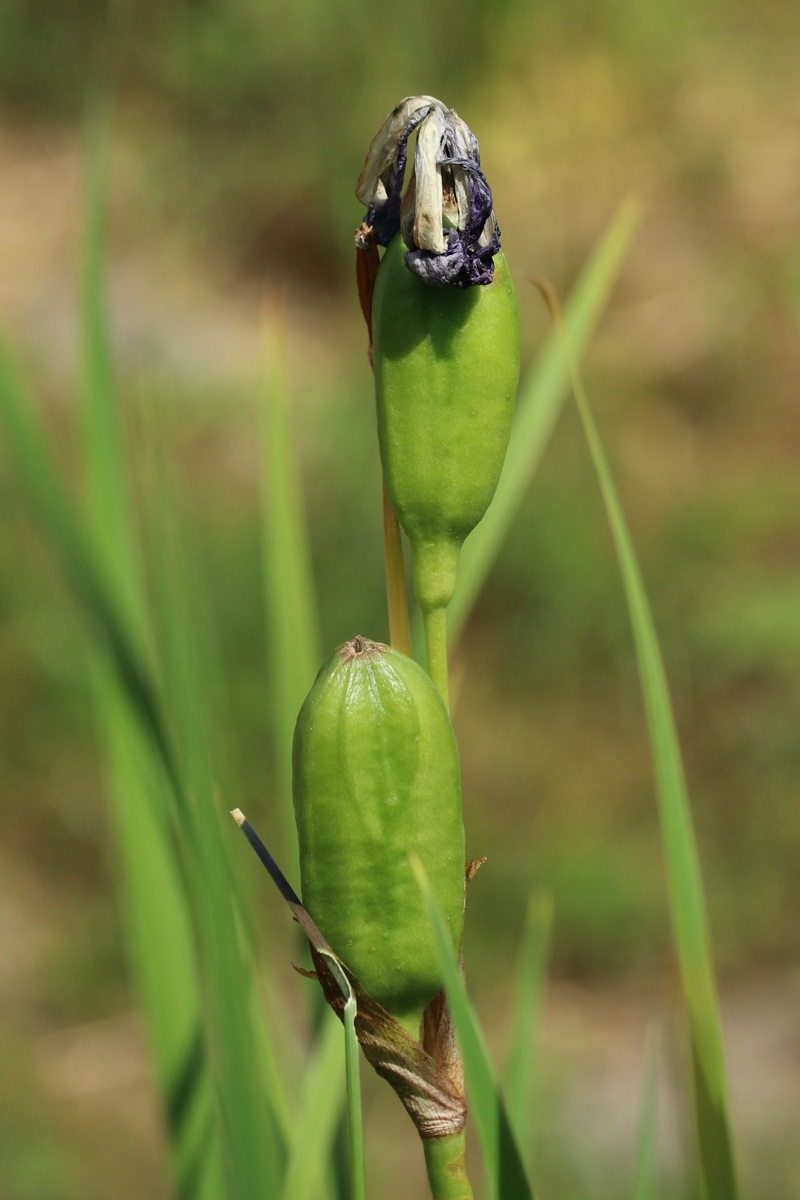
(505, 1170)
(109, 515)
(161, 945)
(354, 1121)
(687, 901)
(520, 1072)
(318, 1119)
(292, 624)
(646, 1177)
(253, 1169)
(159, 925)
(161, 941)
(109, 511)
(251, 1126)
(55, 514)
(540, 401)
(352, 1070)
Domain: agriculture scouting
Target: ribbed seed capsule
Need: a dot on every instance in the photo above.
(375, 775)
(446, 369)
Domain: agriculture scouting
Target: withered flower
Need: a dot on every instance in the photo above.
(445, 216)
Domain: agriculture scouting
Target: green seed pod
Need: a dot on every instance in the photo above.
(446, 369)
(376, 775)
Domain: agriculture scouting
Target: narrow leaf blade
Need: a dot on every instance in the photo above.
(687, 900)
(317, 1121)
(646, 1178)
(540, 401)
(520, 1073)
(353, 1067)
(291, 613)
(249, 1116)
(503, 1160)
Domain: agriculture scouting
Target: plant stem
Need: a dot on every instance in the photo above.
(447, 1169)
(399, 626)
(435, 620)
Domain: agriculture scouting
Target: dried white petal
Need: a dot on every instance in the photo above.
(468, 143)
(487, 233)
(428, 233)
(407, 210)
(461, 188)
(383, 147)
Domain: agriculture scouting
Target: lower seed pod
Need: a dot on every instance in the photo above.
(446, 368)
(376, 775)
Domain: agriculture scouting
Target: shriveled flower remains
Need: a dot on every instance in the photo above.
(446, 215)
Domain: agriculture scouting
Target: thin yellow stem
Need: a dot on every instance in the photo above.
(397, 596)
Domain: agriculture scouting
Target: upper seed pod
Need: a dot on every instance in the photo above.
(375, 775)
(446, 334)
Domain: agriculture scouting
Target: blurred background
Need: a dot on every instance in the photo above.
(239, 129)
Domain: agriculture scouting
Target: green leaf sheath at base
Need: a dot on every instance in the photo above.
(446, 1166)
(376, 775)
(446, 369)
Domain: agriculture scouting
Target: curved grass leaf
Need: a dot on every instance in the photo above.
(646, 1178)
(503, 1163)
(190, 828)
(292, 624)
(314, 1130)
(155, 904)
(86, 574)
(248, 1111)
(540, 401)
(162, 947)
(352, 1069)
(520, 1072)
(687, 901)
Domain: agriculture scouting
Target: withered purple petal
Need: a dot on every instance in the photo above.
(480, 197)
(438, 270)
(460, 265)
(385, 219)
(480, 262)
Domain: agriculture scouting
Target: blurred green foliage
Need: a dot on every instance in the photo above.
(240, 128)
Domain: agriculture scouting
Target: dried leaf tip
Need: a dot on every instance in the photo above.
(446, 214)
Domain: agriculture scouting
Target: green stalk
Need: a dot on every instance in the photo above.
(447, 1168)
(436, 647)
(396, 594)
